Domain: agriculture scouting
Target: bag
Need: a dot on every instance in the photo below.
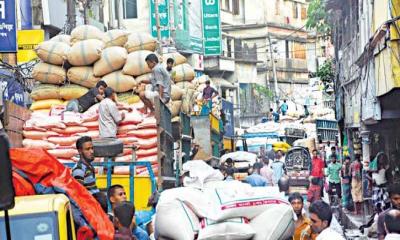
(144, 77)
(52, 52)
(175, 108)
(29, 143)
(128, 98)
(85, 53)
(177, 57)
(45, 91)
(82, 76)
(186, 85)
(47, 73)
(135, 64)
(176, 92)
(85, 32)
(62, 38)
(140, 41)
(115, 37)
(45, 104)
(66, 153)
(235, 228)
(119, 81)
(112, 59)
(183, 72)
(72, 91)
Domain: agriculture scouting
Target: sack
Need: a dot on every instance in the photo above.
(175, 108)
(133, 117)
(149, 122)
(45, 91)
(176, 93)
(62, 38)
(120, 82)
(38, 135)
(63, 141)
(82, 76)
(187, 101)
(274, 223)
(148, 143)
(128, 98)
(178, 58)
(183, 72)
(127, 128)
(135, 64)
(47, 73)
(52, 52)
(144, 77)
(85, 32)
(72, 91)
(29, 143)
(235, 228)
(186, 85)
(115, 37)
(85, 53)
(172, 214)
(45, 104)
(146, 152)
(112, 59)
(70, 130)
(140, 41)
(66, 153)
(144, 133)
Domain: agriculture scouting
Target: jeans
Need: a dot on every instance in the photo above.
(73, 106)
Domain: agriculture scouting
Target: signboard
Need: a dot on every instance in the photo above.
(163, 13)
(8, 38)
(27, 42)
(227, 108)
(211, 27)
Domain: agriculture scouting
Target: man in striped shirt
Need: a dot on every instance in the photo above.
(83, 171)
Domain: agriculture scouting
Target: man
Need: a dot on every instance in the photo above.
(170, 65)
(278, 168)
(317, 169)
(109, 116)
(274, 115)
(160, 84)
(93, 96)
(83, 171)
(328, 150)
(392, 224)
(124, 220)
(267, 172)
(334, 177)
(284, 186)
(394, 194)
(321, 217)
(209, 92)
(229, 174)
(255, 179)
(302, 224)
(284, 108)
(116, 194)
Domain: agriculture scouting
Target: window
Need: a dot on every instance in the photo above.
(303, 13)
(295, 10)
(287, 49)
(235, 7)
(229, 46)
(227, 5)
(277, 7)
(129, 8)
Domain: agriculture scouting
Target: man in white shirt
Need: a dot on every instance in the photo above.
(392, 224)
(321, 217)
(109, 116)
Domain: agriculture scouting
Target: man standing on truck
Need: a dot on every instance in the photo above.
(160, 81)
(83, 171)
(93, 96)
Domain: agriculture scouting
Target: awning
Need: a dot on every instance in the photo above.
(220, 82)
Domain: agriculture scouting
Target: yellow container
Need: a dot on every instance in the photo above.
(142, 188)
(214, 122)
(228, 144)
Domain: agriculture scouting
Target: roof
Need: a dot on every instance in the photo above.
(220, 82)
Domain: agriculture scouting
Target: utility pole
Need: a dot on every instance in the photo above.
(273, 68)
(158, 26)
(71, 16)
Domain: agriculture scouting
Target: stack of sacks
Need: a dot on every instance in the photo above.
(58, 131)
(210, 208)
(183, 75)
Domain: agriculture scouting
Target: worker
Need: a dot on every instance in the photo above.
(170, 64)
(109, 116)
(160, 84)
(209, 92)
(274, 115)
(284, 107)
(255, 179)
(83, 171)
(93, 96)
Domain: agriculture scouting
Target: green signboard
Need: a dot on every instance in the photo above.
(211, 27)
(163, 12)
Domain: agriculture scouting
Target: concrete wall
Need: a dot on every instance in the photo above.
(245, 72)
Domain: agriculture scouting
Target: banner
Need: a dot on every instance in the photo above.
(27, 42)
(163, 13)
(8, 38)
(227, 108)
(211, 27)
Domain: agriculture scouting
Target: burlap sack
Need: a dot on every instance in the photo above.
(112, 59)
(128, 97)
(85, 52)
(72, 91)
(144, 77)
(85, 32)
(45, 91)
(52, 52)
(119, 81)
(62, 38)
(135, 64)
(176, 93)
(140, 41)
(48, 73)
(186, 85)
(115, 37)
(178, 58)
(188, 101)
(82, 76)
(175, 108)
(183, 72)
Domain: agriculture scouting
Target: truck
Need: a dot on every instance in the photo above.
(298, 162)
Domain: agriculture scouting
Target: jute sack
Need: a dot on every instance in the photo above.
(85, 52)
(72, 91)
(175, 108)
(62, 38)
(45, 91)
(82, 76)
(120, 82)
(178, 58)
(176, 93)
(140, 41)
(85, 32)
(128, 98)
(115, 37)
(183, 72)
(112, 59)
(185, 85)
(45, 104)
(144, 77)
(52, 52)
(135, 64)
(187, 101)
(48, 73)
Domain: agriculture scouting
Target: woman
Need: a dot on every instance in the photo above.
(346, 180)
(380, 196)
(356, 185)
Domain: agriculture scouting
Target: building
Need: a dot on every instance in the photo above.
(366, 38)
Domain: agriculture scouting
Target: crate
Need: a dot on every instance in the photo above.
(326, 124)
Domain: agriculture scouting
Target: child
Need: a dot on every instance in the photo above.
(314, 191)
(124, 213)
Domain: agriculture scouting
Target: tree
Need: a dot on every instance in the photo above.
(317, 17)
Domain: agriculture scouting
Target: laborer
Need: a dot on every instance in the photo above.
(83, 171)
(109, 116)
(284, 108)
(170, 64)
(255, 179)
(93, 96)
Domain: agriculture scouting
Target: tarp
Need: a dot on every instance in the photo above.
(43, 169)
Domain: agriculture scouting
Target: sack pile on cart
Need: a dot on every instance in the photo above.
(209, 208)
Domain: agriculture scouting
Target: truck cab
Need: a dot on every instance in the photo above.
(40, 217)
(298, 161)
